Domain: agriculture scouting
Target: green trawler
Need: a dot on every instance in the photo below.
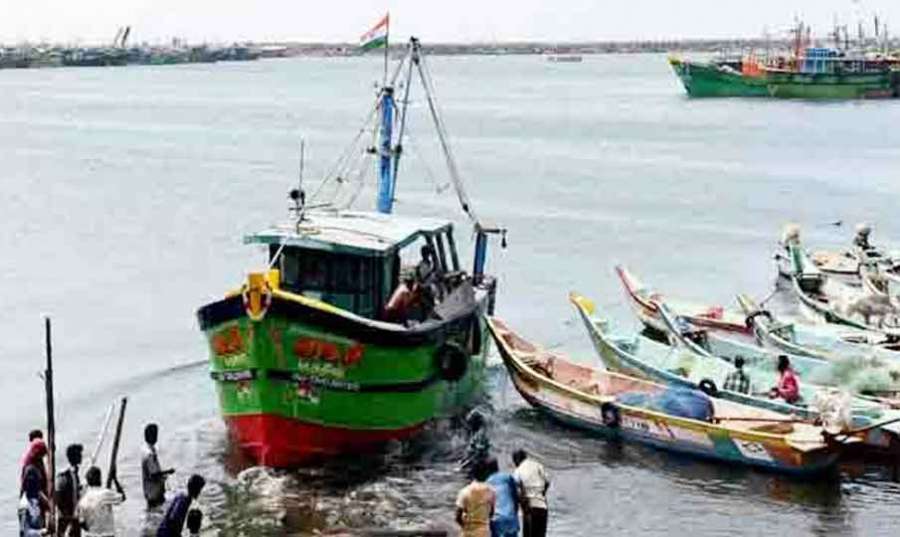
(711, 79)
(807, 72)
(362, 327)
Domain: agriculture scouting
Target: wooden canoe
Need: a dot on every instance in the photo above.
(830, 342)
(591, 399)
(643, 357)
(821, 297)
(644, 299)
(868, 378)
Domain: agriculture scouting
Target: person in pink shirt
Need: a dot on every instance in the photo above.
(788, 387)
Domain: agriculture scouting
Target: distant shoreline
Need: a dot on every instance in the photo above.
(298, 48)
(538, 48)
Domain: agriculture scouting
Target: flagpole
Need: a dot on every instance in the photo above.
(387, 45)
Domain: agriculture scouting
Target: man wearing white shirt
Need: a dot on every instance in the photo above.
(95, 509)
(533, 484)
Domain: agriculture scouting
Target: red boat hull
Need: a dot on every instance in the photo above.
(280, 442)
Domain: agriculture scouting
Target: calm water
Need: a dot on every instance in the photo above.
(126, 192)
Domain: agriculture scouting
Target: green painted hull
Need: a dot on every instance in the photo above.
(332, 384)
(708, 80)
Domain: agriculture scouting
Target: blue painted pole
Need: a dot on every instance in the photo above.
(385, 179)
(481, 243)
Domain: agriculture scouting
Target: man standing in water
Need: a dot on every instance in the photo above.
(478, 448)
(173, 523)
(475, 504)
(154, 477)
(505, 522)
(68, 492)
(95, 510)
(533, 484)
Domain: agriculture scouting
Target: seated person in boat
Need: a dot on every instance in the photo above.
(737, 381)
(788, 387)
(426, 269)
(861, 240)
(689, 331)
(405, 303)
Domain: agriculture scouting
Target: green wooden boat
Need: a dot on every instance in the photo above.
(640, 356)
(622, 407)
(339, 344)
(830, 342)
(710, 79)
(825, 299)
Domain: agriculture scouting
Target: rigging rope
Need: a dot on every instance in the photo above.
(430, 95)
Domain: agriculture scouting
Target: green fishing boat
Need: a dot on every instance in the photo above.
(807, 71)
(339, 343)
(710, 79)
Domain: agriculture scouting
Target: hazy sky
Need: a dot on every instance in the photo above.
(455, 20)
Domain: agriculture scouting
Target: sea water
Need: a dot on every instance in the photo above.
(127, 191)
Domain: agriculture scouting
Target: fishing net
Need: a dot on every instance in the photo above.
(833, 407)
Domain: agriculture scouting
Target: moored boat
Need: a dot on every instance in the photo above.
(827, 300)
(709, 79)
(639, 356)
(830, 342)
(635, 410)
(867, 376)
(339, 345)
(644, 301)
(806, 71)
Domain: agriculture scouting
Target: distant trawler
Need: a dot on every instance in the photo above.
(564, 58)
(806, 72)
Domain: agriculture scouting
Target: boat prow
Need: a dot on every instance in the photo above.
(644, 301)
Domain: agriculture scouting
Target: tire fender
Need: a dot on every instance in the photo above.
(451, 361)
(612, 418)
(708, 386)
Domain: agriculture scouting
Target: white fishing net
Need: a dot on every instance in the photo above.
(833, 407)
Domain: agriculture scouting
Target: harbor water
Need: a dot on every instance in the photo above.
(127, 191)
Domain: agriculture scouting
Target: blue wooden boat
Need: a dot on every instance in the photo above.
(632, 354)
(866, 377)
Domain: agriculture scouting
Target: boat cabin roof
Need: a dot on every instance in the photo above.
(360, 233)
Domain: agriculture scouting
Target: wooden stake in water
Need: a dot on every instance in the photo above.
(51, 426)
(111, 476)
(102, 436)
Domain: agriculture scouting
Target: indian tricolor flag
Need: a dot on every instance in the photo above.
(377, 36)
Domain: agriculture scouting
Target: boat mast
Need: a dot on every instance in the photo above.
(385, 202)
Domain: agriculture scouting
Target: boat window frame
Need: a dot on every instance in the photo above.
(442, 254)
(451, 243)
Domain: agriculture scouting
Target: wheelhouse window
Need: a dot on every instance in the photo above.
(347, 281)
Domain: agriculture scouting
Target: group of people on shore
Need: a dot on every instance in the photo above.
(490, 504)
(88, 510)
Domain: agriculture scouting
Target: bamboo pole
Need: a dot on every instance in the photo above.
(101, 437)
(762, 420)
(51, 427)
(114, 455)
